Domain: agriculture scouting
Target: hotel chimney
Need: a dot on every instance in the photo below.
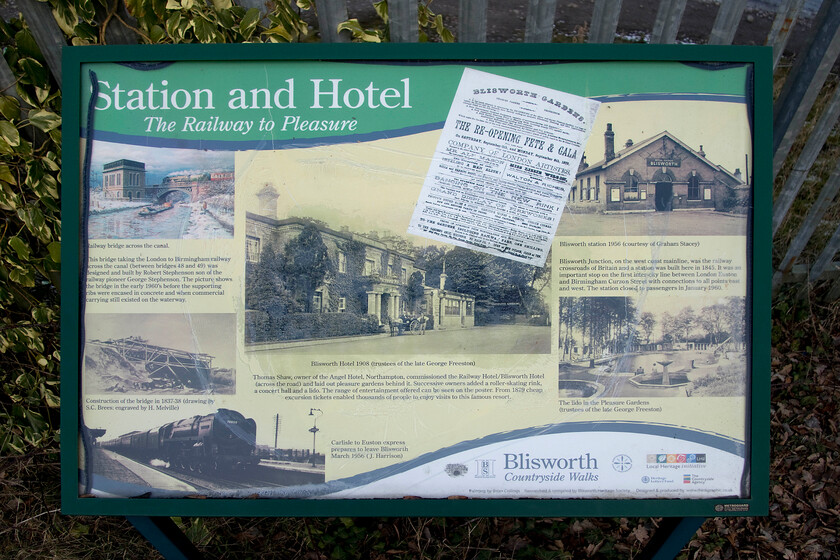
(268, 201)
(609, 143)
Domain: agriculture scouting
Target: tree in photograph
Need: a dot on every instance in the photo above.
(736, 309)
(712, 320)
(266, 292)
(569, 320)
(647, 322)
(265, 288)
(307, 264)
(669, 327)
(509, 281)
(493, 281)
(604, 323)
(686, 321)
(414, 291)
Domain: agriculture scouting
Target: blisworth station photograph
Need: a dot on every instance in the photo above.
(656, 168)
(141, 192)
(328, 262)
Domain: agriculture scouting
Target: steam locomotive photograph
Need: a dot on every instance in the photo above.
(223, 440)
(204, 453)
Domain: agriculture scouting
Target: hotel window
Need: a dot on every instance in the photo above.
(316, 302)
(694, 186)
(342, 305)
(252, 249)
(370, 267)
(342, 262)
(404, 276)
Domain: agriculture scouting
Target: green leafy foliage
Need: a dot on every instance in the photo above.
(183, 21)
(30, 156)
(430, 25)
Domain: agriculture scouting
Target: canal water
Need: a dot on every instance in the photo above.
(128, 224)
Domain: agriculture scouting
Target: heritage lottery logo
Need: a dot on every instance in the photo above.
(676, 458)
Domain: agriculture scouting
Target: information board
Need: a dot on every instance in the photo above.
(437, 280)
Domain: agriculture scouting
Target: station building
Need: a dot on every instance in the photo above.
(661, 174)
(125, 179)
(386, 270)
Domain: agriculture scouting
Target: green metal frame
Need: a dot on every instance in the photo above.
(759, 274)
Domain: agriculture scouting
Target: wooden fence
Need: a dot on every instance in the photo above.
(805, 82)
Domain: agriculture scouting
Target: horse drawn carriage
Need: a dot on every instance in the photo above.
(405, 323)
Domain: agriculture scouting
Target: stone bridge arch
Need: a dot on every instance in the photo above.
(161, 193)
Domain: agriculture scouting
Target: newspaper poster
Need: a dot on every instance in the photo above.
(506, 158)
(267, 312)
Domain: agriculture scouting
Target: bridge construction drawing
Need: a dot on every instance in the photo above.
(151, 366)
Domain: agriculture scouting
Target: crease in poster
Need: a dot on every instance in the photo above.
(503, 167)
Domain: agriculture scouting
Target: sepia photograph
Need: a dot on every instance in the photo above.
(654, 167)
(650, 347)
(318, 274)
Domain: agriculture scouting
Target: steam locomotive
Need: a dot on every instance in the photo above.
(224, 440)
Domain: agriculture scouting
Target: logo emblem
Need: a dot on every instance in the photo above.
(456, 469)
(622, 463)
(484, 468)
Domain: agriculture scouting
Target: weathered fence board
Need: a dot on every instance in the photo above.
(806, 79)
(47, 34)
(809, 226)
(782, 25)
(667, 23)
(726, 23)
(539, 23)
(825, 261)
(330, 14)
(403, 24)
(604, 21)
(805, 160)
(472, 21)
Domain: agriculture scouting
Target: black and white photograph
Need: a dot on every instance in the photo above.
(652, 346)
(211, 453)
(656, 167)
(167, 353)
(141, 192)
(318, 274)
